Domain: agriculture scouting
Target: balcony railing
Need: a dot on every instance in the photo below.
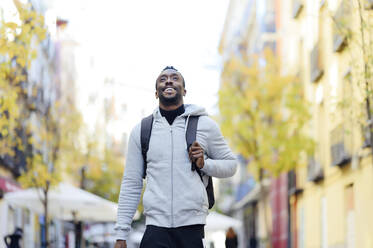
(316, 69)
(293, 189)
(297, 7)
(315, 172)
(339, 42)
(339, 153)
(341, 26)
(366, 136)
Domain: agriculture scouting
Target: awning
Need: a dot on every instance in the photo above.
(66, 202)
(220, 222)
(8, 185)
(252, 196)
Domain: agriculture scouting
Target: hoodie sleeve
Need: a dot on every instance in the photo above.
(132, 183)
(220, 161)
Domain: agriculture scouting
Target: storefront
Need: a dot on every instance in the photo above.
(9, 217)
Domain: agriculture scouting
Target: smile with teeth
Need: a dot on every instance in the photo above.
(169, 90)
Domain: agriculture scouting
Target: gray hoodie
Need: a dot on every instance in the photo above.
(174, 194)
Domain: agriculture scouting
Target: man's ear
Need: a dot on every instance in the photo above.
(156, 94)
(185, 91)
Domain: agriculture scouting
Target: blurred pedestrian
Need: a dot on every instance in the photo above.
(231, 239)
(175, 199)
(12, 240)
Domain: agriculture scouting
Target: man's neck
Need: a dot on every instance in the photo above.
(171, 107)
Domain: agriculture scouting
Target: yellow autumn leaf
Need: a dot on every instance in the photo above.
(11, 25)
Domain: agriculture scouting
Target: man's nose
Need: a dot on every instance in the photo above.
(169, 82)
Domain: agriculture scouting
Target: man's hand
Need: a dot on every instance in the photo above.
(196, 154)
(120, 244)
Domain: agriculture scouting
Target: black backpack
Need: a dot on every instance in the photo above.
(146, 130)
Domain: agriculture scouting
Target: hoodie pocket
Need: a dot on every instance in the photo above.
(156, 199)
(202, 193)
(189, 192)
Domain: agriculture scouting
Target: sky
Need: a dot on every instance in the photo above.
(130, 42)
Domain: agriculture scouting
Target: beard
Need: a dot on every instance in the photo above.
(169, 101)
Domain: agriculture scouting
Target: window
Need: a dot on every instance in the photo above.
(341, 138)
(350, 216)
(324, 223)
(317, 53)
(341, 26)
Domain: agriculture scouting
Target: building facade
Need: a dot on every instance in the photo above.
(325, 50)
(326, 203)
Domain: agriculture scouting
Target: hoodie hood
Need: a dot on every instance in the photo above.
(194, 110)
(190, 110)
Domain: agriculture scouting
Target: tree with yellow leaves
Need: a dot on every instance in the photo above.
(17, 50)
(104, 173)
(37, 135)
(45, 134)
(55, 145)
(264, 115)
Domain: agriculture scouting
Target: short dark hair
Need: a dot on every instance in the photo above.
(170, 67)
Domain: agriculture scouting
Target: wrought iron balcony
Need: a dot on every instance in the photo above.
(316, 64)
(293, 189)
(366, 136)
(339, 42)
(341, 26)
(297, 7)
(339, 153)
(315, 172)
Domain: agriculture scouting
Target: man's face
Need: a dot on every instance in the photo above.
(170, 88)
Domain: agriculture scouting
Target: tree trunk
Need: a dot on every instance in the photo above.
(46, 219)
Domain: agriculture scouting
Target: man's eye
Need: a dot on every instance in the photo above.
(176, 78)
(162, 79)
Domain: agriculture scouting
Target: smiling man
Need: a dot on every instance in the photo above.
(175, 199)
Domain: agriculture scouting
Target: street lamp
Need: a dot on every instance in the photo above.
(79, 240)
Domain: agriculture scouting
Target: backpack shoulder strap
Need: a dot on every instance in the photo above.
(191, 134)
(191, 131)
(146, 131)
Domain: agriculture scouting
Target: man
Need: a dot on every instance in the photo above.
(12, 240)
(175, 199)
